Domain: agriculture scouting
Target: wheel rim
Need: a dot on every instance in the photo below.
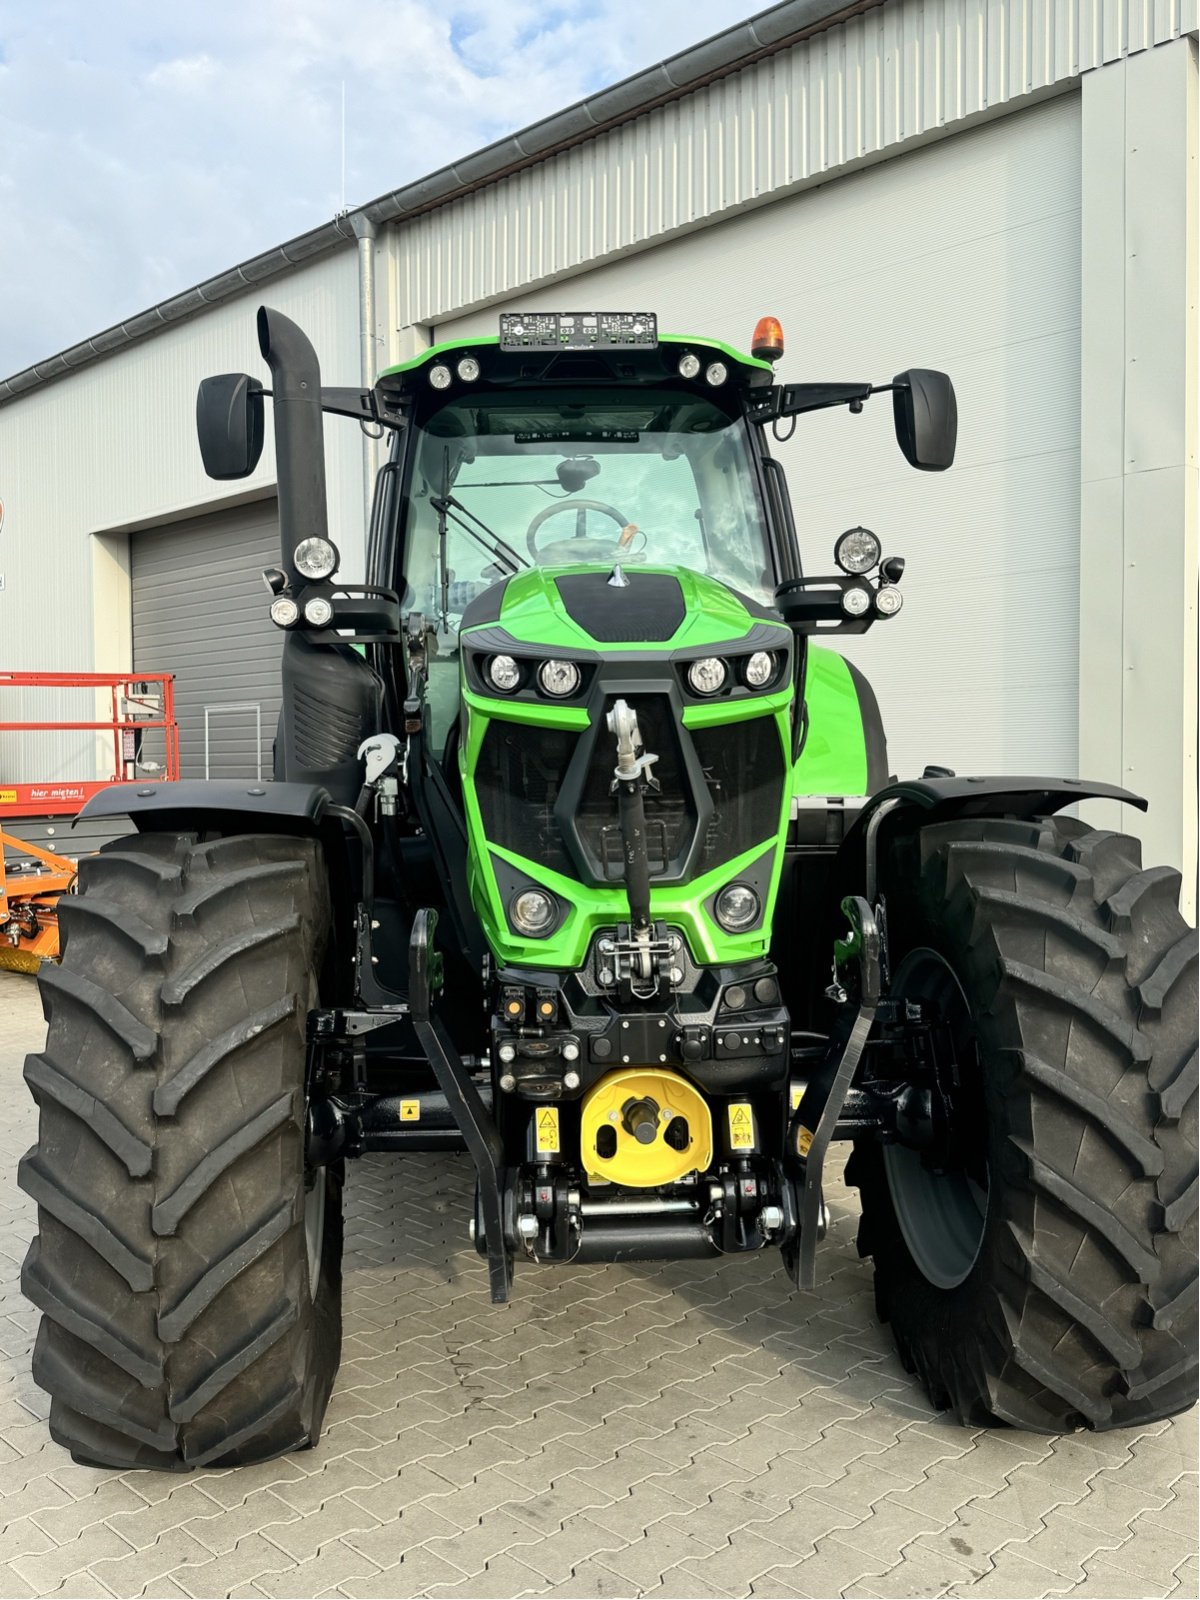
(941, 1215)
(314, 1230)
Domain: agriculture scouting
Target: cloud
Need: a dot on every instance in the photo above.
(144, 147)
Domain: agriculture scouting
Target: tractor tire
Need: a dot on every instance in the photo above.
(1049, 1280)
(187, 1267)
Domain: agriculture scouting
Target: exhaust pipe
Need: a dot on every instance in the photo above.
(299, 434)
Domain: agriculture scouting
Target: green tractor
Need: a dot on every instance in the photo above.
(582, 856)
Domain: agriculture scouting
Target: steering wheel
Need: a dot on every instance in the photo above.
(596, 549)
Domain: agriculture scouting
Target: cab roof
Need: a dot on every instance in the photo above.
(643, 364)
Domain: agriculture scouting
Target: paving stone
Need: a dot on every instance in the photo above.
(657, 1429)
(1062, 1544)
(1152, 1553)
(130, 1574)
(1104, 1581)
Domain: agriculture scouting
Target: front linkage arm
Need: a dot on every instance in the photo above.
(479, 1131)
(816, 1117)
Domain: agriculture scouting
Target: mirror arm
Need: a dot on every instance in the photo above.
(793, 399)
(357, 403)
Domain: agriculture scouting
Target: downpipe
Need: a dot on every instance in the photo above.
(299, 435)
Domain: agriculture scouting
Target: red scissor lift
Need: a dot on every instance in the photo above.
(141, 703)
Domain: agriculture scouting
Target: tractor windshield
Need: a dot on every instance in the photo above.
(501, 482)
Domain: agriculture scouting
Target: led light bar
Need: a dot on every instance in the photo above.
(578, 330)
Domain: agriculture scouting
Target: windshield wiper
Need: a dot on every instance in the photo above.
(498, 548)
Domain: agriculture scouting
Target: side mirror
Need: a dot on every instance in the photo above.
(229, 424)
(926, 414)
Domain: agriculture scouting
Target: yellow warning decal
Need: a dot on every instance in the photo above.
(797, 1095)
(547, 1131)
(8, 797)
(804, 1141)
(741, 1127)
(410, 1111)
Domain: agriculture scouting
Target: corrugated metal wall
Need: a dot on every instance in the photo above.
(901, 71)
(225, 655)
(115, 445)
(965, 256)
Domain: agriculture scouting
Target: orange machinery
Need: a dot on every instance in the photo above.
(140, 703)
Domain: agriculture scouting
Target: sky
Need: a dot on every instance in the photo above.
(148, 144)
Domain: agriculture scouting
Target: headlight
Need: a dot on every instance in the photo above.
(888, 601)
(468, 369)
(533, 912)
(707, 676)
(857, 550)
(317, 612)
(503, 673)
(559, 678)
(737, 907)
(315, 559)
(760, 669)
(285, 613)
(856, 601)
(689, 365)
(439, 376)
(716, 373)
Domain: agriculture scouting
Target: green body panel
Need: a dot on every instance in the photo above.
(833, 762)
(533, 613)
(834, 757)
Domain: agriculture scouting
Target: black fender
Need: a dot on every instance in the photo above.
(230, 805)
(224, 805)
(901, 808)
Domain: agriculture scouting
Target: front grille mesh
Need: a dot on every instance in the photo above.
(521, 771)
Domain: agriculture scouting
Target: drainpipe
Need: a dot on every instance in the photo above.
(364, 232)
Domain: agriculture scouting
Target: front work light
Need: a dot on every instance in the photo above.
(689, 365)
(439, 376)
(315, 559)
(285, 613)
(737, 907)
(532, 912)
(760, 669)
(559, 678)
(318, 612)
(715, 373)
(857, 551)
(503, 673)
(707, 675)
(468, 369)
(888, 601)
(856, 601)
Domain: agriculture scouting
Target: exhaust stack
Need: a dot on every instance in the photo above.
(299, 434)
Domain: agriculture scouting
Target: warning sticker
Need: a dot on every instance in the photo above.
(741, 1127)
(797, 1095)
(804, 1141)
(410, 1111)
(547, 1131)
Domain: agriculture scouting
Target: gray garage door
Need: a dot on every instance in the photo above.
(200, 611)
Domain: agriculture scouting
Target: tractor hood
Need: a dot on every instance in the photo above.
(594, 609)
(545, 656)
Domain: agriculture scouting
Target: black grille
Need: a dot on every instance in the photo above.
(744, 770)
(670, 809)
(517, 781)
(648, 606)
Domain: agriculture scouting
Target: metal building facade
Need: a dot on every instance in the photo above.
(644, 184)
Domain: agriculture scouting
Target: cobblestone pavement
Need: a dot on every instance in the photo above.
(666, 1430)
